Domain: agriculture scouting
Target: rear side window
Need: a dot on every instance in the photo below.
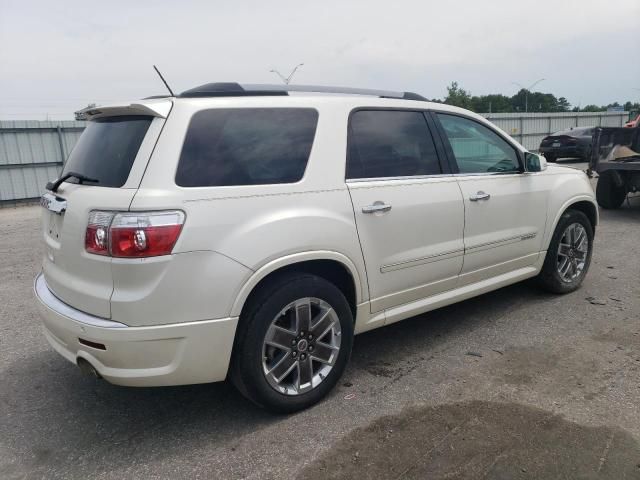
(248, 146)
(389, 143)
(107, 148)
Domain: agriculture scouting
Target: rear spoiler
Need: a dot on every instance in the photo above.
(155, 108)
(605, 139)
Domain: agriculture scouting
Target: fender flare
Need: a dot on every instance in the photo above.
(286, 260)
(562, 209)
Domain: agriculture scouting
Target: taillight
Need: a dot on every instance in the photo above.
(133, 234)
(96, 237)
(145, 234)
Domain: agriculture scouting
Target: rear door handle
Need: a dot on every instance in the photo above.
(376, 207)
(480, 196)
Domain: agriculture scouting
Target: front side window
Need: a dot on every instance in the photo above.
(476, 148)
(389, 143)
(248, 146)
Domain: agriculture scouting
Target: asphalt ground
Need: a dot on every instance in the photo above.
(516, 383)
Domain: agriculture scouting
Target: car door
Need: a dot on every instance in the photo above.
(505, 207)
(408, 208)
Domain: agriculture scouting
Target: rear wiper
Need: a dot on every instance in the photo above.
(53, 186)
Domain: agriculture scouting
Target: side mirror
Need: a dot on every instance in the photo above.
(534, 162)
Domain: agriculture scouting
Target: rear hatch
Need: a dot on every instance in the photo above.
(559, 141)
(113, 150)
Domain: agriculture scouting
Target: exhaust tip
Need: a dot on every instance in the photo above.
(87, 369)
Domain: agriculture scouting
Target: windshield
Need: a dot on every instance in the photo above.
(107, 148)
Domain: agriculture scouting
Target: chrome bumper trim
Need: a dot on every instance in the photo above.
(43, 293)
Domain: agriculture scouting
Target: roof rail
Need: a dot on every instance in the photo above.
(231, 89)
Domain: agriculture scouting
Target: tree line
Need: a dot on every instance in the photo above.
(532, 101)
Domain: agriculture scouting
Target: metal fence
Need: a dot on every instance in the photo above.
(32, 152)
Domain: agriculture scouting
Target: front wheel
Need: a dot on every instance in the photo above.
(293, 343)
(569, 254)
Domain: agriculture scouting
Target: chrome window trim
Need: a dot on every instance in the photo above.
(406, 177)
(481, 174)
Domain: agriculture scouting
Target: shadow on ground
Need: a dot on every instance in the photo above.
(479, 440)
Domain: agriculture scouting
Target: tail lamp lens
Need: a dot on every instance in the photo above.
(139, 234)
(145, 235)
(96, 238)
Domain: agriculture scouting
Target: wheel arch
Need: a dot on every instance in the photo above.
(333, 266)
(584, 204)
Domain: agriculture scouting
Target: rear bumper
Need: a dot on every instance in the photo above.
(174, 354)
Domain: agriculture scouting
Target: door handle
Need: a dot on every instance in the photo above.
(480, 196)
(376, 207)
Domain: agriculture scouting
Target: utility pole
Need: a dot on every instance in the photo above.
(286, 80)
(526, 92)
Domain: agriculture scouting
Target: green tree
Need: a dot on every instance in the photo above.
(457, 96)
(593, 108)
(563, 105)
(632, 107)
(531, 101)
(493, 103)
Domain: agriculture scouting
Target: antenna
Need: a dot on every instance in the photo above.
(164, 81)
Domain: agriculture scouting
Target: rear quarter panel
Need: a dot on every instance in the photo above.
(256, 225)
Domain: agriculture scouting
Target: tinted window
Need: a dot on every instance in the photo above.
(385, 143)
(575, 132)
(476, 148)
(107, 148)
(249, 146)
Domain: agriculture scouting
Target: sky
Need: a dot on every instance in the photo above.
(58, 56)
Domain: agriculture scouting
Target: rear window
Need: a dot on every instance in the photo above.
(575, 132)
(107, 148)
(248, 146)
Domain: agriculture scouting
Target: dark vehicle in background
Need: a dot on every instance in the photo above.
(573, 143)
(616, 160)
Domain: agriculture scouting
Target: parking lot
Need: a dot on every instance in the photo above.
(516, 383)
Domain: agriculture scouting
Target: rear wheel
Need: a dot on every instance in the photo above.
(551, 158)
(608, 193)
(569, 254)
(293, 343)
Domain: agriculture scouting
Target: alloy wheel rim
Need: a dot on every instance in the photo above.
(572, 252)
(301, 346)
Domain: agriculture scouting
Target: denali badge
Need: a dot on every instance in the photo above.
(53, 204)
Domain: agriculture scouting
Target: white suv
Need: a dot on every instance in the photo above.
(247, 231)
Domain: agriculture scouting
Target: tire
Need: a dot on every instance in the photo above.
(269, 339)
(551, 158)
(608, 194)
(551, 276)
